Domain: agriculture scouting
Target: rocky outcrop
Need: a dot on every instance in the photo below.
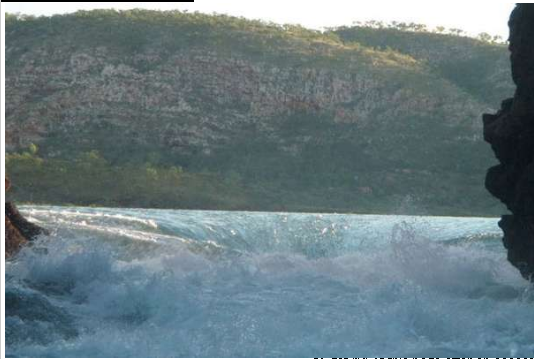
(195, 98)
(14, 239)
(19, 231)
(511, 135)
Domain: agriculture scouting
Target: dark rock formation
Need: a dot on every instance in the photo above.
(14, 239)
(19, 231)
(38, 320)
(511, 135)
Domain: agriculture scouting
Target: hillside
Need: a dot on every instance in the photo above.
(479, 68)
(169, 109)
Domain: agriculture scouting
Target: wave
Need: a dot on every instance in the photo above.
(219, 284)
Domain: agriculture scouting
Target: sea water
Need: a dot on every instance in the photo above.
(165, 283)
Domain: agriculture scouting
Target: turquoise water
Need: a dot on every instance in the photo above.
(161, 283)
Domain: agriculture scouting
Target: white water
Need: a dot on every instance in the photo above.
(147, 283)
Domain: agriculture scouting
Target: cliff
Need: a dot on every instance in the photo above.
(270, 112)
(511, 135)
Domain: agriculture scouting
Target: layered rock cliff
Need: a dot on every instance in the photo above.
(511, 135)
(273, 110)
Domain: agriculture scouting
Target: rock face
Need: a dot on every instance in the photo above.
(14, 239)
(511, 135)
(19, 231)
(278, 108)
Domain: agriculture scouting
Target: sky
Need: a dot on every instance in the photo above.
(473, 17)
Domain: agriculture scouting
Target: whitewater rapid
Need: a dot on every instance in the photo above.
(161, 283)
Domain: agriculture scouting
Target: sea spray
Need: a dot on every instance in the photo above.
(147, 283)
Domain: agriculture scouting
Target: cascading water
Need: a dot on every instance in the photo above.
(147, 283)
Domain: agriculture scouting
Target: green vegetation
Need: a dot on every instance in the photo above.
(91, 180)
(410, 141)
(132, 31)
(479, 66)
(422, 28)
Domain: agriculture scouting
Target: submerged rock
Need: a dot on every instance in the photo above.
(32, 318)
(511, 135)
(19, 231)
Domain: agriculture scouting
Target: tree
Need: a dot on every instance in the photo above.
(484, 36)
(457, 32)
(497, 39)
(33, 149)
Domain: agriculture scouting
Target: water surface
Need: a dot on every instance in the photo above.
(162, 283)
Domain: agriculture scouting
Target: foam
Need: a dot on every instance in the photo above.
(304, 293)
